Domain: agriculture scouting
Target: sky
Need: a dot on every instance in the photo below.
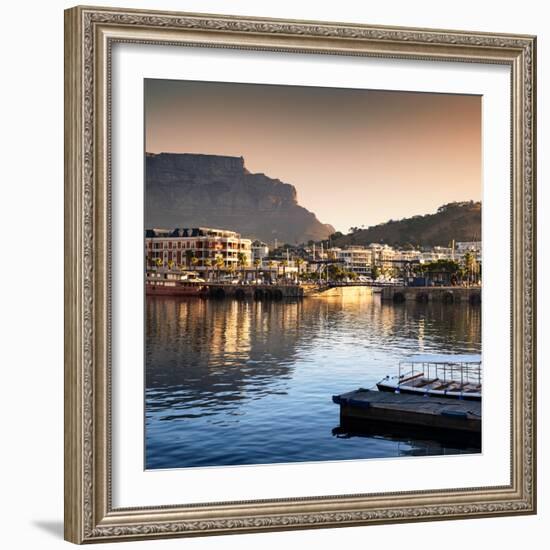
(356, 157)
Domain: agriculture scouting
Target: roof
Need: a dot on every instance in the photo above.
(448, 358)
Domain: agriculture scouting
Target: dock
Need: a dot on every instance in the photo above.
(177, 287)
(256, 292)
(427, 413)
(424, 294)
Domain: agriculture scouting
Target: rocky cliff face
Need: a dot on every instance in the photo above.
(190, 190)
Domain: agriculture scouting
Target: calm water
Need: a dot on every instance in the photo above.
(231, 382)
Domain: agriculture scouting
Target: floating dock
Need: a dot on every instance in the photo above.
(426, 413)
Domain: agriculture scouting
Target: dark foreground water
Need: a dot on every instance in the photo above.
(231, 382)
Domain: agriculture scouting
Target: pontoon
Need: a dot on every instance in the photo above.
(442, 375)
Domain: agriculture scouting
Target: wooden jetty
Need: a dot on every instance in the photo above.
(443, 294)
(430, 413)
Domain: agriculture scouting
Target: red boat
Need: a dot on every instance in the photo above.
(172, 284)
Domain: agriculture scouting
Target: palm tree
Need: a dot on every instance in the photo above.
(242, 261)
(208, 265)
(159, 262)
(218, 260)
(170, 264)
(284, 263)
(257, 264)
(469, 264)
(189, 255)
(299, 262)
(271, 265)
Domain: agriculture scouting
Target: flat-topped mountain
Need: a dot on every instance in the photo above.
(192, 190)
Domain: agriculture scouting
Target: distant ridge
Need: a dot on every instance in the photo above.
(460, 221)
(188, 189)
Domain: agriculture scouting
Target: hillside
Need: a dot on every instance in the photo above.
(460, 221)
(191, 190)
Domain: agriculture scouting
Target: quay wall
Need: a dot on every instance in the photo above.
(256, 292)
(444, 294)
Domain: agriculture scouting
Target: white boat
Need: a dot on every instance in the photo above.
(439, 375)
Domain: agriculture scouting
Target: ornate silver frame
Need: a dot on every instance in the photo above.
(89, 35)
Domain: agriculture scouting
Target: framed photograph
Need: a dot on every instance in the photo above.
(300, 274)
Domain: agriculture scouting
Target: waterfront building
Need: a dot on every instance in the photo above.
(260, 250)
(469, 246)
(318, 252)
(356, 259)
(333, 253)
(403, 258)
(278, 268)
(198, 248)
(382, 255)
(455, 253)
(438, 253)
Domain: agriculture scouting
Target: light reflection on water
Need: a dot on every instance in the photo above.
(230, 382)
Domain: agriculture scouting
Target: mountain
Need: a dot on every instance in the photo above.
(192, 190)
(460, 221)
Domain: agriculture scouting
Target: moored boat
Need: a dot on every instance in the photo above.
(172, 284)
(441, 375)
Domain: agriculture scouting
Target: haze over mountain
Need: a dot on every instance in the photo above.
(191, 190)
(460, 221)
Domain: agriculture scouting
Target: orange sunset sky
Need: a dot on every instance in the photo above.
(356, 157)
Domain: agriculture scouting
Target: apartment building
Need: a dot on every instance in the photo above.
(191, 248)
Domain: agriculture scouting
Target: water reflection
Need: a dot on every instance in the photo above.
(231, 382)
(411, 441)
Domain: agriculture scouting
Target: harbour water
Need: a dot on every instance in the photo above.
(245, 382)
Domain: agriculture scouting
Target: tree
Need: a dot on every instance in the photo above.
(284, 263)
(159, 262)
(270, 265)
(208, 265)
(448, 267)
(336, 273)
(242, 261)
(375, 272)
(299, 262)
(470, 265)
(189, 255)
(440, 266)
(257, 264)
(218, 260)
